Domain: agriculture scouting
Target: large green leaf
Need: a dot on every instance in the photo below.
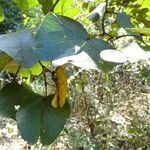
(56, 35)
(38, 118)
(10, 96)
(26, 4)
(19, 45)
(35, 116)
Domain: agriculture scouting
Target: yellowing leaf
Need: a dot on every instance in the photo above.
(55, 101)
(60, 80)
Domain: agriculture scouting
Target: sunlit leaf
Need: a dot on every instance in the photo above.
(113, 56)
(26, 4)
(131, 52)
(1, 14)
(144, 31)
(19, 45)
(66, 8)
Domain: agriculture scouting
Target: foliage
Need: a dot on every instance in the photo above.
(62, 39)
(12, 20)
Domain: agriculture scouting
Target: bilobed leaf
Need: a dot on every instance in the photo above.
(26, 4)
(56, 35)
(19, 45)
(1, 14)
(38, 118)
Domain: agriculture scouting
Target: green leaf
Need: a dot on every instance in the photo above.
(53, 121)
(46, 5)
(38, 118)
(35, 116)
(57, 35)
(146, 22)
(144, 31)
(66, 8)
(1, 14)
(10, 96)
(145, 3)
(29, 119)
(94, 17)
(19, 45)
(124, 20)
(26, 4)
(25, 72)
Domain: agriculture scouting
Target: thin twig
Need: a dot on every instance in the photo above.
(52, 8)
(44, 75)
(103, 19)
(15, 76)
(117, 37)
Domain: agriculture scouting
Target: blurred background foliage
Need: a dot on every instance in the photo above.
(110, 110)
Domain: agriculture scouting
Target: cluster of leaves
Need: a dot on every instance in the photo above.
(57, 41)
(10, 16)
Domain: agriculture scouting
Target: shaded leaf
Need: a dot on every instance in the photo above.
(53, 121)
(29, 119)
(10, 96)
(124, 20)
(46, 5)
(38, 118)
